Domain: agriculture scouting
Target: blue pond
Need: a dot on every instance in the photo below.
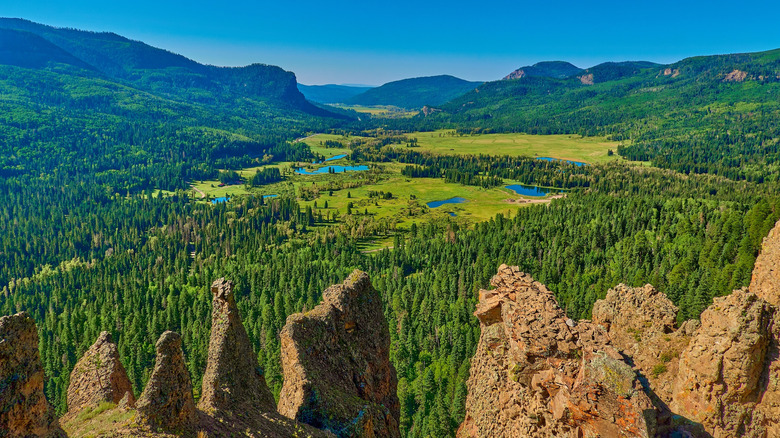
(455, 200)
(336, 169)
(220, 200)
(337, 157)
(269, 196)
(522, 189)
(453, 214)
(576, 163)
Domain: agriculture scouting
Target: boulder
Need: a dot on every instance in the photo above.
(336, 361)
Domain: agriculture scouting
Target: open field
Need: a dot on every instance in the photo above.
(410, 196)
(379, 110)
(316, 144)
(567, 147)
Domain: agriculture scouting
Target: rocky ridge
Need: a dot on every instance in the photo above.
(538, 373)
(99, 377)
(717, 378)
(336, 363)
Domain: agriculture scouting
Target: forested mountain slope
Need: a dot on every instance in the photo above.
(415, 93)
(174, 76)
(709, 114)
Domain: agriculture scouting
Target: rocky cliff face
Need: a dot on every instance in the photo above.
(538, 373)
(99, 376)
(717, 384)
(233, 381)
(337, 370)
(167, 401)
(766, 273)
(641, 324)
(24, 410)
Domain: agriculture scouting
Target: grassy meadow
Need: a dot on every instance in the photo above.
(590, 150)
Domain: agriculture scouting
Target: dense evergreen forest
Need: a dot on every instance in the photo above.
(98, 230)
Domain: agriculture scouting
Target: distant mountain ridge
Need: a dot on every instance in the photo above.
(331, 93)
(547, 69)
(414, 93)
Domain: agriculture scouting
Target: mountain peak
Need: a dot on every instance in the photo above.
(546, 69)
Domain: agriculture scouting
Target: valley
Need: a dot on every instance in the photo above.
(133, 178)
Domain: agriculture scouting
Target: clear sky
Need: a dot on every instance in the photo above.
(369, 42)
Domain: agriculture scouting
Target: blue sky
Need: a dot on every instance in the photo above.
(375, 42)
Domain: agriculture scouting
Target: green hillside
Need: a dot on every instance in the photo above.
(416, 92)
(712, 114)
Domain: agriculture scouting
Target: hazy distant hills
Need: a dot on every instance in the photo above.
(331, 93)
(415, 93)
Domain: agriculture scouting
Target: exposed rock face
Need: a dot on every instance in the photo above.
(538, 373)
(718, 380)
(586, 79)
(766, 273)
(641, 324)
(99, 376)
(735, 76)
(167, 401)
(337, 371)
(24, 410)
(517, 74)
(233, 381)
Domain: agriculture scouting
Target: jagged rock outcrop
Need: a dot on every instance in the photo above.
(24, 410)
(641, 324)
(233, 381)
(99, 376)
(766, 273)
(717, 384)
(538, 373)
(337, 370)
(167, 403)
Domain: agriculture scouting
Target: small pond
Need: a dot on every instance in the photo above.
(455, 200)
(576, 163)
(522, 189)
(336, 169)
(220, 200)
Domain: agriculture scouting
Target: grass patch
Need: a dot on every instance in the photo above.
(566, 147)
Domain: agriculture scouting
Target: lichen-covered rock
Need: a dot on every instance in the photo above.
(337, 370)
(766, 273)
(233, 381)
(24, 410)
(641, 324)
(167, 403)
(719, 379)
(538, 373)
(99, 376)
